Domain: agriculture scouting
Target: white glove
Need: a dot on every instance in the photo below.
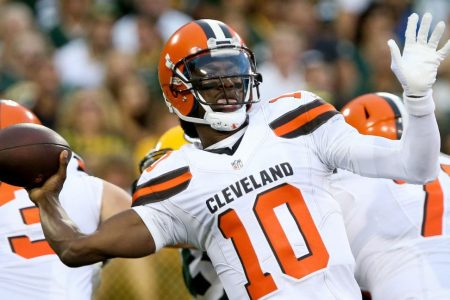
(416, 69)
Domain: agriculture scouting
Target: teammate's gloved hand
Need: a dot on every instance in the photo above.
(416, 69)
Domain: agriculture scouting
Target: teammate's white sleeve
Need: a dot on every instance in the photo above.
(414, 158)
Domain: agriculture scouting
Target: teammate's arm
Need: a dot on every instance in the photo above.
(123, 235)
(114, 201)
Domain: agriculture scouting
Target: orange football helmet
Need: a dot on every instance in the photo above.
(203, 58)
(380, 114)
(12, 113)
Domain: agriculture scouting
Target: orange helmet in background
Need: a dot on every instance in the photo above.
(12, 113)
(381, 114)
(184, 74)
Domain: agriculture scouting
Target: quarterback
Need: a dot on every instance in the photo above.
(281, 236)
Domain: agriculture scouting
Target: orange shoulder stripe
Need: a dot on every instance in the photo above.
(164, 186)
(303, 119)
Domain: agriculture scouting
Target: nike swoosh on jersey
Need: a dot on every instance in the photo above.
(303, 120)
(162, 187)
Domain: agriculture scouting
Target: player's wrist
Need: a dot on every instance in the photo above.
(419, 104)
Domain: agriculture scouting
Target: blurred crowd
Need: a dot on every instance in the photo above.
(88, 68)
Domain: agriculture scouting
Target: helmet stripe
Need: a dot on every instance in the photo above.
(397, 114)
(225, 30)
(206, 28)
(214, 29)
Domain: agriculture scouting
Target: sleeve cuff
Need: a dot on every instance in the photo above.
(419, 106)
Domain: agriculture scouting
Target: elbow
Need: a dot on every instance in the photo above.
(69, 260)
(424, 175)
(72, 256)
(70, 263)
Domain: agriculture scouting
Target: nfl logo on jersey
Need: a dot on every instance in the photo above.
(237, 164)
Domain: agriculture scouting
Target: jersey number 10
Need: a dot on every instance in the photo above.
(261, 283)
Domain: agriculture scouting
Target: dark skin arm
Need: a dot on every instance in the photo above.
(123, 235)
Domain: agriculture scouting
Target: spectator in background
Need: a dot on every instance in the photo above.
(42, 93)
(137, 109)
(15, 19)
(72, 22)
(245, 22)
(118, 169)
(147, 56)
(374, 26)
(283, 71)
(90, 121)
(301, 14)
(166, 18)
(81, 63)
(119, 67)
(318, 75)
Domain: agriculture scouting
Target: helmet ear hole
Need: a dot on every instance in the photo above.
(366, 112)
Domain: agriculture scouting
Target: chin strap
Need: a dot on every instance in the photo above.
(226, 121)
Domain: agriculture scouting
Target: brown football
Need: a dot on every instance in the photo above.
(29, 154)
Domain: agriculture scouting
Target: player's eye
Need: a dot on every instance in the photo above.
(208, 84)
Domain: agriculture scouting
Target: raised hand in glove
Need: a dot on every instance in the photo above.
(416, 69)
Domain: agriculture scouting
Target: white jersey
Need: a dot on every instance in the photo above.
(29, 269)
(399, 234)
(264, 214)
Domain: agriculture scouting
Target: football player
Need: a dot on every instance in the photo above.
(256, 194)
(30, 269)
(199, 275)
(399, 232)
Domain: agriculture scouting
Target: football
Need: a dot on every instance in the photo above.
(29, 154)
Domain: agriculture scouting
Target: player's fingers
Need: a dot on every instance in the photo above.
(444, 51)
(436, 35)
(63, 162)
(410, 33)
(395, 53)
(424, 29)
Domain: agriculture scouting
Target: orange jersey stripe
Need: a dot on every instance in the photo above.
(296, 95)
(171, 183)
(303, 119)
(434, 209)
